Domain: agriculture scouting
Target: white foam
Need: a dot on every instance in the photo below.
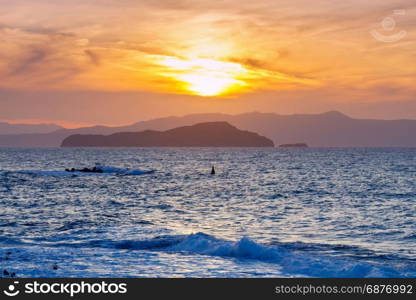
(292, 262)
(109, 169)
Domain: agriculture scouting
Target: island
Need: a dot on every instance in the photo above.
(296, 145)
(209, 134)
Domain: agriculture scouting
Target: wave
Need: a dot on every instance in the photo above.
(107, 170)
(292, 258)
(114, 170)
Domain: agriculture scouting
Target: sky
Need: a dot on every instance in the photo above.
(122, 61)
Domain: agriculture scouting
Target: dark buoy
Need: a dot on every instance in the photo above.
(213, 171)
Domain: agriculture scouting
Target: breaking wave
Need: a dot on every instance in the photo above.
(292, 259)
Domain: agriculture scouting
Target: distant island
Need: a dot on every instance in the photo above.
(296, 145)
(209, 134)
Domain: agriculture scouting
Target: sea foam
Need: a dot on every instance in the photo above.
(107, 170)
(291, 260)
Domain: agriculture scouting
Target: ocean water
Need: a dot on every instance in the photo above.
(159, 213)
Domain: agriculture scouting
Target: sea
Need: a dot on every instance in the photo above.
(158, 212)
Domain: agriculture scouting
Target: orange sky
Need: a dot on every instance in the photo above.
(114, 62)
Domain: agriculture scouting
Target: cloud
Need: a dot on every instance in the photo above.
(109, 44)
(29, 60)
(94, 58)
(38, 58)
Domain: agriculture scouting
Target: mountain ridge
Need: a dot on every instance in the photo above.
(7, 128)
(330, 129)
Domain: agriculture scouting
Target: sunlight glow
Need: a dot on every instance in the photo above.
(205, 77)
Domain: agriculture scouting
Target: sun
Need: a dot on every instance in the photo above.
(208, 84)
(205, 77)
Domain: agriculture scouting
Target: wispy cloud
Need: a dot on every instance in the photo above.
(110, 44)
(94, 58)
